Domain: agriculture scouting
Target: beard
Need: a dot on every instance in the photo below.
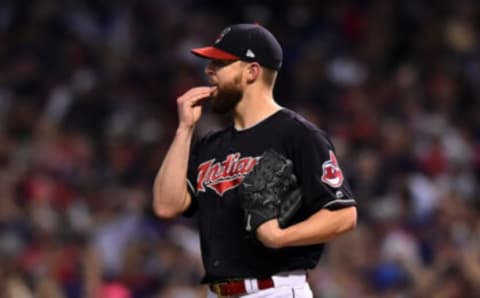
(227, 97)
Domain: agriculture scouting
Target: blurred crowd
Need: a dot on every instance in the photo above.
(87, 111)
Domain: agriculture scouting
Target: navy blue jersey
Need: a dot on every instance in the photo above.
(218, 164)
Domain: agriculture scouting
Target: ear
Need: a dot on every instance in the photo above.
(253, 72)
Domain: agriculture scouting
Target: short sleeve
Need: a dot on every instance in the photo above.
(320, 173)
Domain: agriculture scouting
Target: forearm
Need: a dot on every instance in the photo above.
(170, 189)
(321, 227)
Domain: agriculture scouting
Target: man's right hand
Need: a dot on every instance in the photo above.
(189, 105)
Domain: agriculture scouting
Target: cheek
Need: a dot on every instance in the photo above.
(223, 81)
(229, 80)
(239, 78)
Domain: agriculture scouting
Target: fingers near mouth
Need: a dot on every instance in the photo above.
(213, 91)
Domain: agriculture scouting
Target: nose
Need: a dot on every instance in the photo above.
(210, 69)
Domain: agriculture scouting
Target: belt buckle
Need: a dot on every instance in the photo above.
(217, 288)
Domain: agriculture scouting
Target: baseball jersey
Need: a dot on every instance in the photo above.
(217, 166)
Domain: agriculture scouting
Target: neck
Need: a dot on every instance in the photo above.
(255, 106)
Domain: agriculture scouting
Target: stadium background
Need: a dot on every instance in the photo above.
(87, 110)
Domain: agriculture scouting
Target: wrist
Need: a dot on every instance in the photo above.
(271, 235)
(185, 129)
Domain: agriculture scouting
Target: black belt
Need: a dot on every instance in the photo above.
(237, 287)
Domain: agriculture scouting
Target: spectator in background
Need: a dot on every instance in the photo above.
(84, 125)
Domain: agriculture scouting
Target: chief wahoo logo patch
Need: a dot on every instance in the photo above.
(331, 173)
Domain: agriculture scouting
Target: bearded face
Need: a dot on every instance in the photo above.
(227, 96)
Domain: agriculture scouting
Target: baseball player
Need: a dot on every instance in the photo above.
(268, 190)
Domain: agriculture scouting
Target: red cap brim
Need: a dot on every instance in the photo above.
(214, 53)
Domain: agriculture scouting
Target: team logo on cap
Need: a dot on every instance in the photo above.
(331, 172)
(225, 175)
(250, 54)
(222, 34)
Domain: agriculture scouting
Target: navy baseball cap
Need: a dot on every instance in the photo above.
(246, 42)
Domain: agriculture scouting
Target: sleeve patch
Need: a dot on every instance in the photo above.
(331, 173)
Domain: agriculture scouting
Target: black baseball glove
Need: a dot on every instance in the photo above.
(270, 191)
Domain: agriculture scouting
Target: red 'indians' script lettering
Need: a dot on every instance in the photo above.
(225, 175)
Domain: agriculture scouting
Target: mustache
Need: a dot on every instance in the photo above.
(212, 82)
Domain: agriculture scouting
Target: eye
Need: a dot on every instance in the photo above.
(221, 63)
